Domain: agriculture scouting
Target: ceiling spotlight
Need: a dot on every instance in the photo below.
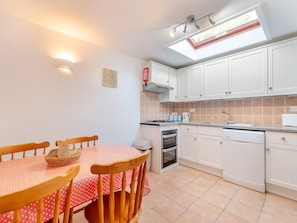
(196, 24)
(172, 33)
(190, 19)
(211, 21)
(185, 29)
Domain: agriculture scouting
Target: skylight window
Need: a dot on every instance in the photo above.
(241, 31)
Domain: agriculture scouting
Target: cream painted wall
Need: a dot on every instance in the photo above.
(39, 102)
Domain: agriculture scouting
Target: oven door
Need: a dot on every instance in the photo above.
(169, 139)
(169, 156)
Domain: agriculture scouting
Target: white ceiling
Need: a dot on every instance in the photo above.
(140, 28)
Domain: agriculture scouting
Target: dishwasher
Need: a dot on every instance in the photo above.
(243, 154)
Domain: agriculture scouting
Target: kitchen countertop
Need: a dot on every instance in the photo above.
(242, 126)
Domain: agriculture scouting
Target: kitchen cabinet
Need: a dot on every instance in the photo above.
(190, 83)
(282, 67)
(248, 74)
(195, 83)
(210, 146)
(158, 73)
(216, 79)
(182, 80)
(188, 143)
(171, 95)
(240, 75)
(281, 159)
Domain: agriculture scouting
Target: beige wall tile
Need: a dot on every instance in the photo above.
(259, 111)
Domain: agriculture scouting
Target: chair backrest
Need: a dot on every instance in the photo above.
(133, 170)
(16, 201)
(24, 149)
(79, 142)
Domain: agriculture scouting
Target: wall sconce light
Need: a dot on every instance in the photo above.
(191, 19)
(64, 64)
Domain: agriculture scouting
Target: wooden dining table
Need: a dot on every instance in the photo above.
(22, 173)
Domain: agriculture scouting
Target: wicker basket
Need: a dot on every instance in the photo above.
(52, 158)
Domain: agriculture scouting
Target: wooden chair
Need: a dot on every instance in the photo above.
(24, 149)
(15, 201)
(78, 142)
(120, 205)
(83, 141)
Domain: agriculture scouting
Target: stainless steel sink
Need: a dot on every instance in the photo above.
(240, 124)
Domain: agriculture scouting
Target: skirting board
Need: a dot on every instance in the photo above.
(281, 191)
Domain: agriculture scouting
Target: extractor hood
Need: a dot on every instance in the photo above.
(155, 87)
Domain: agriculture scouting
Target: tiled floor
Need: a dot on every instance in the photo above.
(185, 195)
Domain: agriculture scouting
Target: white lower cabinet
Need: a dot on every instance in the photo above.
(281, 159)
(210, 146)
(188, 143)
(201, 148)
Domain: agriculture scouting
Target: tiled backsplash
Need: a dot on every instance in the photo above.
(258, 111)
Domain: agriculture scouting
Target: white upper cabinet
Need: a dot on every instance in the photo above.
(216, 79)
(195, 83)
(190, 83)
(282, 68)
(171, 95)
(182, 81)
(248, 74)
(159, 73)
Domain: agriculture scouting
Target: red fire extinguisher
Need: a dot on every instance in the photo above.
(145, 75)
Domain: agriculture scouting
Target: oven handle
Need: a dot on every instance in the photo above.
(169, 149)
(169, 136)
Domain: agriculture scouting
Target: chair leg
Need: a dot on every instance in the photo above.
(71, 215)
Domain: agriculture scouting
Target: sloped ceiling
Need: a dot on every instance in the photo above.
(140, 28)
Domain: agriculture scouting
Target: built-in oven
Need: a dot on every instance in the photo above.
(169, 147)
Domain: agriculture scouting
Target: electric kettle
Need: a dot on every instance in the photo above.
(186, 116)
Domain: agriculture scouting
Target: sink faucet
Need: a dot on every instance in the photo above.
(230, 121)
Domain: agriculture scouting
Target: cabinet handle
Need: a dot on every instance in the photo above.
(267, 149)
(200, 95)
(195, 138)
(188, 129)
(229, 92)
(283, 138)
(226, 92)
(221, 142)
(270, 88)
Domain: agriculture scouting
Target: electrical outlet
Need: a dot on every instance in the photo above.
(192, 110)
(293, 108)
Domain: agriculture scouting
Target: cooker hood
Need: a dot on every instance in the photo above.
(156, 87)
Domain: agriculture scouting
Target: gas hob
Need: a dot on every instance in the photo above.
(158, 122)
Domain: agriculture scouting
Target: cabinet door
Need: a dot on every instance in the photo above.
(248, 74)
(188, 149)
(172, 83)
(158, 73)
(282, 68)
(281, 166)
(210, 151)
(188, 143)
(171, 95)
(216, 79)
(195, 82)
(182, 80)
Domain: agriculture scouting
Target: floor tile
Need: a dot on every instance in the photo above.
(206, 210)
(190, 216)
(169, 210)
(216, 199)
(243, 211)
(227, 217)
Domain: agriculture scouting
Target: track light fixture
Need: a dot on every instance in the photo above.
(190, 19)
(211, 21)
